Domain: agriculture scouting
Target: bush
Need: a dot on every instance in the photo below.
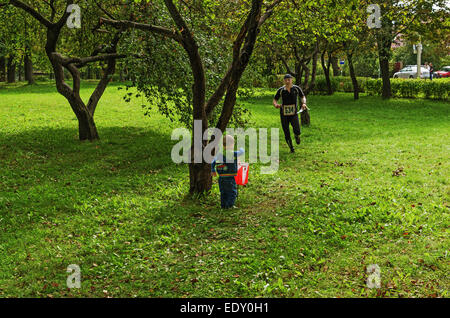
(412, 88)
(403, 88)
(321, 85)
(338, 84)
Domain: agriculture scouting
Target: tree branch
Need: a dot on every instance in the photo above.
(32, 12)
(124, 24)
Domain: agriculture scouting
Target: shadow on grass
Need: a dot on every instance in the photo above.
(50, 167)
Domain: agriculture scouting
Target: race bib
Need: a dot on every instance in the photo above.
(288, 110)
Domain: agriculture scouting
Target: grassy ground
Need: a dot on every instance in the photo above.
(368, 185)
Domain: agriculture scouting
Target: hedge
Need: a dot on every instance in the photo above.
(412, 88)
(403, 88)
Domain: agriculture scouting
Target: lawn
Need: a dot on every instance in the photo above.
(368, 185)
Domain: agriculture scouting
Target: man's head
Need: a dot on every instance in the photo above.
(288, 80)
(228, 142)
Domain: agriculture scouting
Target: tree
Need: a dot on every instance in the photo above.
(181, 32)
(108, 53)
(293, 39)
(403, 17)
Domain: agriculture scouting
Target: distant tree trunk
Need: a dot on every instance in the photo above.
(335, 65)
(384, 43)
(353, 76)
(121, 78)
(28, 66)
(326, 71)
(384, 69)
(11, 69)
(307, 72)
(2, 69)
(20, 73)
(314, 69)
(298, 74)
(89, 72)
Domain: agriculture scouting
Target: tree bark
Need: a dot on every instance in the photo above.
(384, 43)
(335, 65)
(298, 73)
(314, 70)
(384, 69)
(86, 126)
(326, 71)
(353, 76)
(2, 69)
(200, 180)
(11, 69)
(28, 67)
(89, 72)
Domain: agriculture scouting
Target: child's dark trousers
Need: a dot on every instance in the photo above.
(228, 192)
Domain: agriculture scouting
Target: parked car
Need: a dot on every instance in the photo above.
(445, 72)
(410, 71)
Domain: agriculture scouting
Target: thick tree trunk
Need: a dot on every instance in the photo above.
(86, 126)
(2, 69)
(28, 67)
(200, 177)
(353, 76)
(11, 70)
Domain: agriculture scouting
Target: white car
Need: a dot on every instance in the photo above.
(410, 71)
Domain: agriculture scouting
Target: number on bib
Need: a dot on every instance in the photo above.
(288, 110)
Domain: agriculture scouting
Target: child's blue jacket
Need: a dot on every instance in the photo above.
(224, 168)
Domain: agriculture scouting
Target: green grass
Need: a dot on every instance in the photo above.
(119, 207)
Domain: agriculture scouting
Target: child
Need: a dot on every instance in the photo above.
(227, 172)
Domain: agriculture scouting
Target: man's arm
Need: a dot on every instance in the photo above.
(276, 98)
(302, 97)
(275, 104)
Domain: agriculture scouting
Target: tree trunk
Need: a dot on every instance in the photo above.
(353, 76)
(384, 69)
(200, 177)
(298, 74)
(326, 71)
(384, 43)
(28, 66)
(89, 72)
(2, 69)
(312, 83)
(334, 63)
(86, 126)
(11, 70)
(306, 80)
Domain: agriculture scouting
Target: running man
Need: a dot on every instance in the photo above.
(288, 108)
